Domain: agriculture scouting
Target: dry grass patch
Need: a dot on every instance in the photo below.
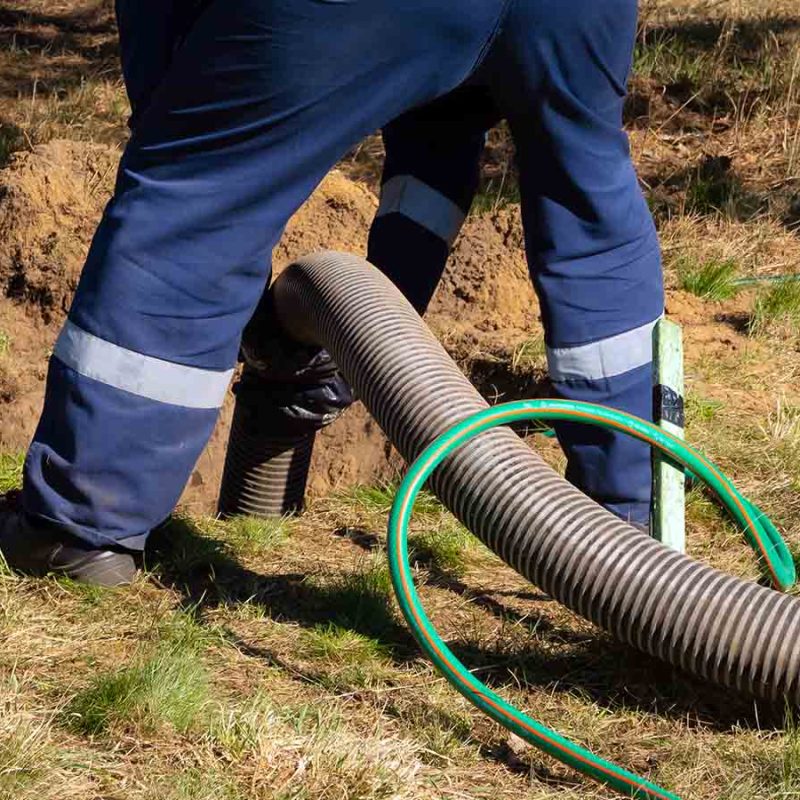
(758, 249)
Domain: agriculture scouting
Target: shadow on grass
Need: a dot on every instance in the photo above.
(618, 678)
(495, 379)
(748, 37)
(715, 67)
(710, 188)
(12, 140)
(73, 45)
(208, 576)
(610, 674)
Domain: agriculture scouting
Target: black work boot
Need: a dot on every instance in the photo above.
(39, 551)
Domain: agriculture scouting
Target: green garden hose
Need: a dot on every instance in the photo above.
(760, 531)
(759, 280)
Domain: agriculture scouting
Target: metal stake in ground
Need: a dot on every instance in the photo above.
(669, 481)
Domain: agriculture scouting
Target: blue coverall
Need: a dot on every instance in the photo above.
(240, 108)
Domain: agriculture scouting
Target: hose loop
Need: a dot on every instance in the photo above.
(761, 533)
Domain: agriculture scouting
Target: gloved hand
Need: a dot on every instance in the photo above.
(296, 387)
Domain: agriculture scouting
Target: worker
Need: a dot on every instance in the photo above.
(239, 109)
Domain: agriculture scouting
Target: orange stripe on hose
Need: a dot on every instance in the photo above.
(487, 700)
(404, 511)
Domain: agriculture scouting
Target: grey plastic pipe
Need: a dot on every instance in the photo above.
(711, 624)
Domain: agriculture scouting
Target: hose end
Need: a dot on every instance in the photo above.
(265, 472)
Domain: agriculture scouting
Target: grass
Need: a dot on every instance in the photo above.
(777, 311)
(530, 357)
(361, 599)
(11, 141)
(497, 194)
(436, 539)
(190, 547)
(701, 409)
(708, 193)
(169, 687)
(379, 499)
(11, 465)
(666, 58)
(299, 751)
(201, 784)
(443, 727)
(732, 68)
(331, 642)
(709, 280)
(345, 659)
(446, 549)
(790, 766)
(96, 110)
(249, 536)
(24, 747)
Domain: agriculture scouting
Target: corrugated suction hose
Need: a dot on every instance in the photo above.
(266, 470)
(711, 624)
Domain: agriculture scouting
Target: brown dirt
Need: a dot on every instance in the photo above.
(50, 201)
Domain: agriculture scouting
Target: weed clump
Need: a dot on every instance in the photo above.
(529, 357)
(445, 548)
(710, 280)
(348, 659)
(379, 499)
(251, 535)
(777, 311)
(11, 465)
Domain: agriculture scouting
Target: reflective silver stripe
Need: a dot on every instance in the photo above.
(409, 196)
(145, 376)
(604, 359)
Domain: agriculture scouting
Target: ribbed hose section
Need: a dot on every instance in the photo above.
(711, 624)
(265, 474)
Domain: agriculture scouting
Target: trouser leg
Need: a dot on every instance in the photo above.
(430, 178)
(258, 102)
(591, 241)
(150, 32)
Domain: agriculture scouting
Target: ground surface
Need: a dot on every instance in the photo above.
(267, 661)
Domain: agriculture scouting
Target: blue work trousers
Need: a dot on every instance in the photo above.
(240, 108)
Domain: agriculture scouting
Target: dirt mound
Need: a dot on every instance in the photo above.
(486, 296)
(50, 202)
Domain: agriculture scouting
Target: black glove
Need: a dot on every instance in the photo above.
(298, 388)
